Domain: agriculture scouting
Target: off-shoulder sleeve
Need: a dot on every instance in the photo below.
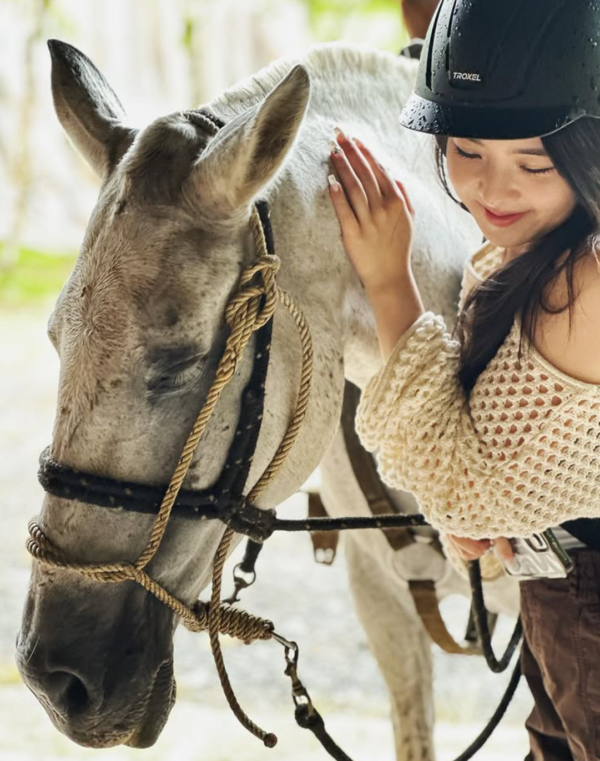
(496, 464)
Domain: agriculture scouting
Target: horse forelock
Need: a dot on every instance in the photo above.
(160, 158)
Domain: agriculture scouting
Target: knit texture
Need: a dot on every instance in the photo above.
(518, 456)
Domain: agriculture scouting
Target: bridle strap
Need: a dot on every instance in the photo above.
(222, 503)
(225, 497)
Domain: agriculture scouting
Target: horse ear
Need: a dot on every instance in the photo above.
(247, 153)
(88, 109)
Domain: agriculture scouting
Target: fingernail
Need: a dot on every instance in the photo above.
(338, 132)
(334, 147)
(333, 182)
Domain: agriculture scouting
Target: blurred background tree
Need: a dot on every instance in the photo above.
(373, 22)
(159, 55)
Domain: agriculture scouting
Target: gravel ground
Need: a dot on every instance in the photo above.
(309, 603)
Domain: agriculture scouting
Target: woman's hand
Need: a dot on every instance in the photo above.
(469, 549)
(473, 549)
(375, 214)
(503, 548)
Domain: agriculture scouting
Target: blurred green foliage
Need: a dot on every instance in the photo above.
(187, 38)
(33, 276)
(374, 22)
(28, 275)
(319, 7)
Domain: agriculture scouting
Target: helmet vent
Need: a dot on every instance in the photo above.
(448, 33)
(431, 34)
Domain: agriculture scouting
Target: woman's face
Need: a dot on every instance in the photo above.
(509, 177)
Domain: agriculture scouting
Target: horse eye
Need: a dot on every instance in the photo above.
(176, 377)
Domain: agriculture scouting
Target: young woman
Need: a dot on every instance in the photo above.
(496, 429)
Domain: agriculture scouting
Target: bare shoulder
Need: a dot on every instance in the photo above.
(575, 352)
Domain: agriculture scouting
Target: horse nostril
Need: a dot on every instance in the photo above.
(68, 692)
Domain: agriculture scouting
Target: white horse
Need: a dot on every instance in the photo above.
(138, 326)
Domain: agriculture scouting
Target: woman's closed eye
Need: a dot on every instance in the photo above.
(465, 155)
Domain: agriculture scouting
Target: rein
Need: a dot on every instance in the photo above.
(250, 310)
(215, 503)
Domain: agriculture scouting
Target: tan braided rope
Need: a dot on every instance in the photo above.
(236, 623)
(214, 625)
(244, 316)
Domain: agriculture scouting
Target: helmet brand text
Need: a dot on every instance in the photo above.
(466, 76)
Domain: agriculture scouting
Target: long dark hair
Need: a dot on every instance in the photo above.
(522, 284)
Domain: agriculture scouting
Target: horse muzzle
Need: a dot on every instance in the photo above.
(102, 672)
(87, 715)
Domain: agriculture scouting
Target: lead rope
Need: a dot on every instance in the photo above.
(214, 624)
(244, 315)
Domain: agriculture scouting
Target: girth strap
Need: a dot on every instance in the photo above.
(428, 608)
(423, 592)
(365, 470)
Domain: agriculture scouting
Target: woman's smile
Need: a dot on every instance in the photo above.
(529, 201)
(503, 220)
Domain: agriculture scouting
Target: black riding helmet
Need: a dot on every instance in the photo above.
(507, 69)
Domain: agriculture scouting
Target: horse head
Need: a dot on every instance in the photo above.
(139, 329)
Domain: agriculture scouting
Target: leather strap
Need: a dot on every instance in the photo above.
(427, 604)
(365, 470)
(324, 543)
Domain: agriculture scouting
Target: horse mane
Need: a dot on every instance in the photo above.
(328, 64)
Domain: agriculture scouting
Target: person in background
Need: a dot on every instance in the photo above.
(417, 15)
(496, 428)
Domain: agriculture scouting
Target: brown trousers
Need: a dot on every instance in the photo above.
(561, 661)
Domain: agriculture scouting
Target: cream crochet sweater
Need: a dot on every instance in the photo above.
(518, 456)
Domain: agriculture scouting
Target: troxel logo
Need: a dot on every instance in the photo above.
(466, 76)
